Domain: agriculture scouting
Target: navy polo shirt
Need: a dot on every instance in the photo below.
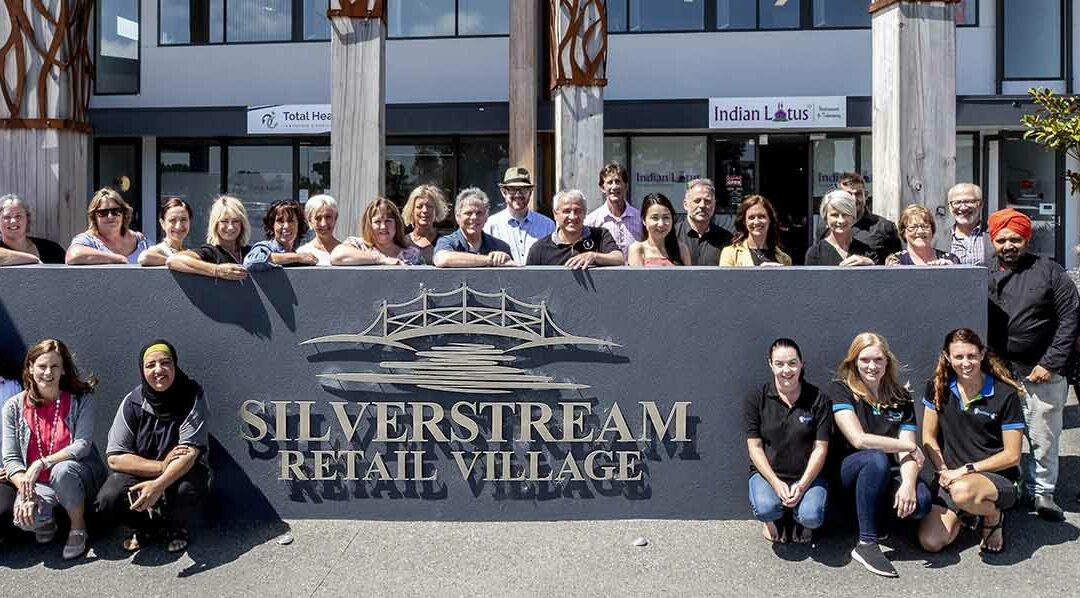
(456, 241)
(787, 433)
(973, 433)
(884, 421)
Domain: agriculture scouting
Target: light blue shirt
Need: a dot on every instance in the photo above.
(519, 234)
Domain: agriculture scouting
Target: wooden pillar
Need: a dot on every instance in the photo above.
(914, 107)
(45, 73)
(578, 40)
(524, 52)
(358, 107)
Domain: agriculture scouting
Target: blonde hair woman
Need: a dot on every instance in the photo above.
(107, 239)
(425, 208)
(321, 213)
(839, 247)
(382, 240)
(226, 245)
(877, 453)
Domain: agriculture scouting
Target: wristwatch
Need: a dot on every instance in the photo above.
(970, 467)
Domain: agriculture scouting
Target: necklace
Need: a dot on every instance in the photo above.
(37, 431)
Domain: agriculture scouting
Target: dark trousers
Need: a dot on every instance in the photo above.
(869, 473)
(180, 507)
(7, 508)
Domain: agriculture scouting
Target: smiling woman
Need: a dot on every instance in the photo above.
(107, 239)
(16, 246)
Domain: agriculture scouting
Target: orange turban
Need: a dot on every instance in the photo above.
(1011, 219)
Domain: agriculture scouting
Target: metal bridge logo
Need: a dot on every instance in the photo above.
(461, 367)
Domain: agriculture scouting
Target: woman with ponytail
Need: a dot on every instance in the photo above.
(973, 424)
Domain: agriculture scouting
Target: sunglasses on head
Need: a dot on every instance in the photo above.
(106, 212)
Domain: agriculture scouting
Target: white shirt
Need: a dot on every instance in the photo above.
(519, 234)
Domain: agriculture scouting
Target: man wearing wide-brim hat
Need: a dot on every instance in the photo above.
(517, 225)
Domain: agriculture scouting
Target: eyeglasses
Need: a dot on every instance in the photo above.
(918, 227)
(964, 203)
(109, 212)
(517, 190)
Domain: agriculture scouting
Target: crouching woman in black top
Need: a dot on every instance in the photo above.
(157, 454)
(788, 423)
(972, 430)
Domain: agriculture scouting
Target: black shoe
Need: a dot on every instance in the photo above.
(869, 554)
(1047, 509)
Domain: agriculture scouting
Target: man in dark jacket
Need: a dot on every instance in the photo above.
(1032, 325)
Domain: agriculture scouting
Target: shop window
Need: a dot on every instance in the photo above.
(736, 173)
(615, 150)
(191, 22)
(1031, 186)
(736, 14)
(840, 13)
(830, 158)
(192, 172)
(665, 15)
(1032, 39)
(967, 13)
(481, 163)
(314, 171)
(409, 165)
(965, 158)
(665, 165)
(117, 47)
(260, 175)
(616, 16)
(483, 17)
(316, 23)
(421, 18)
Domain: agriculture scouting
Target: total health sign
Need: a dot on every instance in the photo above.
(826, 112)
(288, 119)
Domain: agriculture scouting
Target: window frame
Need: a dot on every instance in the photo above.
(138, 59)
(1066, 48)
(806, 20)
(457, 28)
(296, 30)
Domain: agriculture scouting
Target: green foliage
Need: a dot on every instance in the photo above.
(1056, 124)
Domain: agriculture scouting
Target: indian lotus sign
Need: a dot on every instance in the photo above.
(778, 113)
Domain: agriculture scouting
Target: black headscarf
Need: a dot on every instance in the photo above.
(175, 402)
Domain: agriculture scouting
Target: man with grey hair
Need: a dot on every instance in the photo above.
(469, 246)
(703, 237)
(573, 244)
(969, 242)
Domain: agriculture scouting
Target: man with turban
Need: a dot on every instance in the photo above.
(1032, 323)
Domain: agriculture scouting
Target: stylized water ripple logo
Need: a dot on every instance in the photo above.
(462, 367)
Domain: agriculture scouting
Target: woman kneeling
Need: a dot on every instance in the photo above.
(157, 453)
(972, 429)
(788, 424)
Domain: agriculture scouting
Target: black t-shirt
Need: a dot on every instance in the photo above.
(216, 255)
(822, 253)
(879, 234)
(787, 434)
(975, 433)
(704, 249)
(546, 252)
(50, 252)
(888, 421)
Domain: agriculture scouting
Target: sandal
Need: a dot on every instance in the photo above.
(133, 543)
(76, 549)
(177, 540)
(989, 530)
(46, 533)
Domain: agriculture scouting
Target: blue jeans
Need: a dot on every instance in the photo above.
(869, 473)
(809, 513)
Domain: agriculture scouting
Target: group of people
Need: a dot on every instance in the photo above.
(155, 474)
(614, 234)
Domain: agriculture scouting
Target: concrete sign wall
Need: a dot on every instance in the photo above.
(374, 393)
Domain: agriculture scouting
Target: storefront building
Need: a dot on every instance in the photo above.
(198, 97)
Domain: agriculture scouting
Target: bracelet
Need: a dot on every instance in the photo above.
(45, 460)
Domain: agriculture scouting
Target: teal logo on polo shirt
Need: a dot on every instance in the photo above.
(894, 416)
(984, 413)
(806, 419)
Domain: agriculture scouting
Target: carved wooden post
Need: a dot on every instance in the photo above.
(358, 106)
(45, 73)
(914, 99)
(578, 67)
(524, 48)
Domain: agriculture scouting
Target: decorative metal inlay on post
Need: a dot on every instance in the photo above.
(578, 50)
(66, 51)
(359, 9)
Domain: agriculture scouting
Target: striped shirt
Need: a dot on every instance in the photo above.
(970, 249)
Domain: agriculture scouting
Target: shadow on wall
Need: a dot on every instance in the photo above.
(12, 347)
(235, 303)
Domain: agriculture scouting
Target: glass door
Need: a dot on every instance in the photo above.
(1032, 182)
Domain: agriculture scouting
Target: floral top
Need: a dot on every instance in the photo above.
(411, 255)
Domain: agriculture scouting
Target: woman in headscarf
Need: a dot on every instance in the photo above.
(48, 449)
(157, 453)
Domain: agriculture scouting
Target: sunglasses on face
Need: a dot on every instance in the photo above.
(109, 212)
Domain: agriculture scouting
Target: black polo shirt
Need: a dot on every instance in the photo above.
(551, 252)
(879, 234)
(887, 421)
(969, 435)
(787, 434)
(823, 253)
(216, 255)
(704, 249)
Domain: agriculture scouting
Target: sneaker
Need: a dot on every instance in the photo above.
(869, 554)
(1047, 509)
